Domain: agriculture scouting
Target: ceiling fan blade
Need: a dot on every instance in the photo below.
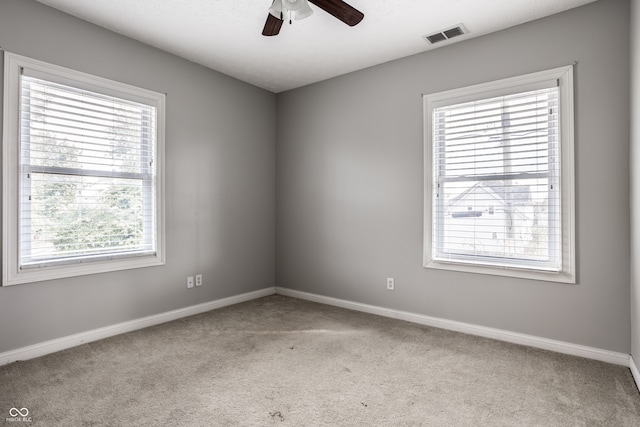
(272, 26)
(341, 10)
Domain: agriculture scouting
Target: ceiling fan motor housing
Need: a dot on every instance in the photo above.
(294, 9)
(299, 9)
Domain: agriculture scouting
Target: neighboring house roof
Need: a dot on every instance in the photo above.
(496, 190)
(463, 196)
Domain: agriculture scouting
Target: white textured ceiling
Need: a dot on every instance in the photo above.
(225, 35)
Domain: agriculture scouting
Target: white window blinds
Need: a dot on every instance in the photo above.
(87, 174)
(496, 181)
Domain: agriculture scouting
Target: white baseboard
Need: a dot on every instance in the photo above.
(467, 328)
(634, 371)
(63, 343)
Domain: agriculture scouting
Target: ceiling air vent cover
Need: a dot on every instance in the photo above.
(446, 34)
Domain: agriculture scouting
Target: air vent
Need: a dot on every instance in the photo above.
(446, 34)
(435, 38)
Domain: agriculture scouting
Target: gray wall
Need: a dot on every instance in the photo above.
(350, 182)
(635, 180)
(220, 183)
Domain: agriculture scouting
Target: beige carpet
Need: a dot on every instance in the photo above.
(287, 362)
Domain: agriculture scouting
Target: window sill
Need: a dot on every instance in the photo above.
(65, 271)
(562, 277)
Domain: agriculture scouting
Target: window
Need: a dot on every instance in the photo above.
(82, 174)
(499, 178)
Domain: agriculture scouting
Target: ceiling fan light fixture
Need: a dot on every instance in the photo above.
(299, 9)
(293, 9)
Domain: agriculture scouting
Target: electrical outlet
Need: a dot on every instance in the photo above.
(190, 282)
(198, 279)
(391, 283)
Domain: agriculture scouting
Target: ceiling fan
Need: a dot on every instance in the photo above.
(299, 9)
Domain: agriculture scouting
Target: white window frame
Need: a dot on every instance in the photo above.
(564, 77)
(12, 273)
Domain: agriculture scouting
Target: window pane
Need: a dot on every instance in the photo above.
(87, 180)
(501, 135)
(498, 222)
(496, 175)
(67, 127)
(74, 215)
